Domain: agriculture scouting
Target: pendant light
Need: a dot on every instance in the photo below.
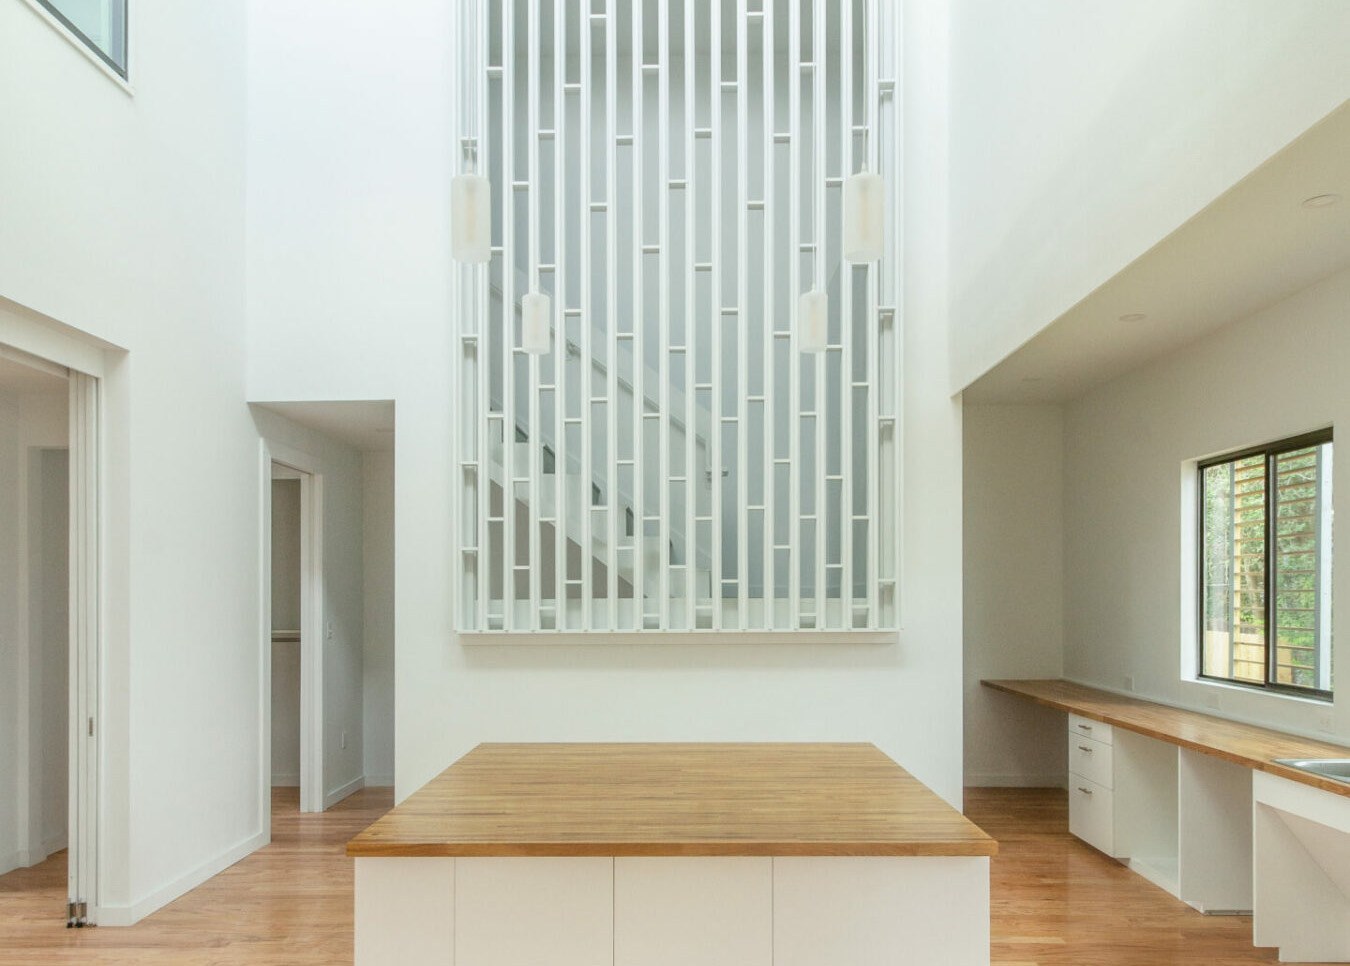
(813, 316)
(471, 211)
(864, 202)
(536, 319)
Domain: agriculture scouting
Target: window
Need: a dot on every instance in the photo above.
(1265, 566)
(670, 177)
(100, 24)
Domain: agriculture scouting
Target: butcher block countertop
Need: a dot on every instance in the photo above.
(673, 799)
(1243, 744)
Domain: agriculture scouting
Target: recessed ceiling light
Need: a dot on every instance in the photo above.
(1321, 201)
(1133, 317)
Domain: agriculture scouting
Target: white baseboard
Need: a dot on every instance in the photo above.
(10, 861)
(30, 857)
(380, 781)
(25, 858)
(342, 791)
(1021, 780)
(134, 913)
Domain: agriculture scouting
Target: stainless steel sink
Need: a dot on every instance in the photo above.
(1337, 769)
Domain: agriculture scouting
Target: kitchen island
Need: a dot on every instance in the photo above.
(656, 854)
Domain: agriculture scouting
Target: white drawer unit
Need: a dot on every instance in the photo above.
(1090, 759)
(1091, 780)
(1092, 813)
(1087, 728)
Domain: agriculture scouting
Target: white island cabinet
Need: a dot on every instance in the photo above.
(672, 855)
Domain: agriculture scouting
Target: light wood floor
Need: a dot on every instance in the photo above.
(1056, 902)
(289, 904)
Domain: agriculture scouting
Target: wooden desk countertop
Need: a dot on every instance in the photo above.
(673, 799)
(1243, 744)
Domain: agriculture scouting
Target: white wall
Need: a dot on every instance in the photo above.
(379, 569)
(1084, 131)
(348, 299)
(1014, 590)
(1278, 373)
(9, 633)
(49, 655)
(33, 626)
(123, 218)
(338, 468)
(285, 617)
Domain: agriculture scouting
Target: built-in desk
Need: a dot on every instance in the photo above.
(665, 854)
(1200, 806)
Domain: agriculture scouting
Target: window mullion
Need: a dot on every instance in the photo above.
(1272, 482)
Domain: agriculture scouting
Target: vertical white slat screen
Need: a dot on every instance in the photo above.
(669, 173)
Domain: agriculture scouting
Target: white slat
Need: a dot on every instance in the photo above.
(535, 432)
(769, 248)
(794, 389)
(482, 275)
(586, 368)
(875, 278)
(691, 234)
(508, 202)
(819, 109)
(846, 276)
(715, 430)
(663, 214)
(639, 329)
(743, 316)
(560, 296)
(612, 315)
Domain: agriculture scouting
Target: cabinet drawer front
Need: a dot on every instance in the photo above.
(1087, 728)
(1091, 815)
(1090, 759)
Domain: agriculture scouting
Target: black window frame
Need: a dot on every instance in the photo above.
(1271, 451)
(121, 70)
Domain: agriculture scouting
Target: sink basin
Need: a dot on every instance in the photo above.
(1337, 769)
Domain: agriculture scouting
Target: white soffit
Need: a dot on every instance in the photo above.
(1252, 247)
(366, 425)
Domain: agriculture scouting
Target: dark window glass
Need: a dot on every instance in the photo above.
(1265, 566)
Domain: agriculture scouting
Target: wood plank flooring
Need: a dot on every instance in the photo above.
(1055, 901)
(289, 904)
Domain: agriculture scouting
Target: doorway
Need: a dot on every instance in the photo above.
(340, 455)
(49, 614)
(287, 573)
(294, 542)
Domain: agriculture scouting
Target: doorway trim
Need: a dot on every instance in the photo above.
(86, 633)
(35, 339)
(311, 627)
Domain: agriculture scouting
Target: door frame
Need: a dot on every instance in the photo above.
(86, 646)
(32, 339)
(311, 627)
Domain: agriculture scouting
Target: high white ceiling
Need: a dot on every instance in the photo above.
(367, 425)
(1252, 247)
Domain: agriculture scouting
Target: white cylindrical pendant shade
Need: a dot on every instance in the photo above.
(864, 200)
(813, 321)
(470, 218)
(536, 318)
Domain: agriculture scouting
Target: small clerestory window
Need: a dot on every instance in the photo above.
(101, 25)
